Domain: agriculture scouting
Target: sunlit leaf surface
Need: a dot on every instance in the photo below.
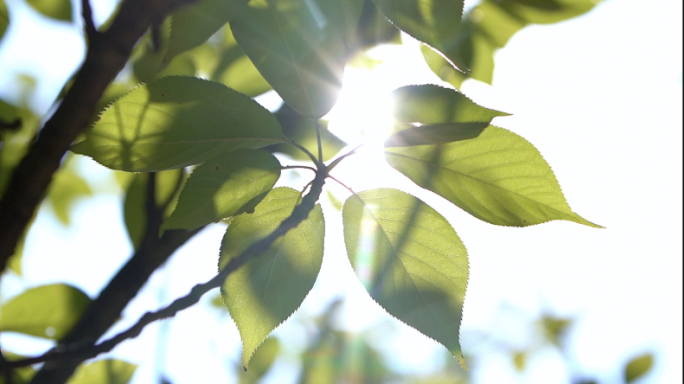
(410, 260)
(299, 47)
(107, 371)
(434, 22)
(48, 311)
(498, 177)
(269, 288)
(55, 9)
(220, 187)
(175, 122)
(192, 24)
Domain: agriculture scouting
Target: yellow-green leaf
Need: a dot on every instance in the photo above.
(638, 367)
(192, 24)
(431, 104)
(135, 216)
(48, 311)
(221, 186)
(107, 371)
(56, 9)
(4, 19)
(434, 22)
(270, 287)
(299, 47)
(175, 122)
(498, 177)
(410, 260)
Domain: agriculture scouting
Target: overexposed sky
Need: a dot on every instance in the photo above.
(600, 96)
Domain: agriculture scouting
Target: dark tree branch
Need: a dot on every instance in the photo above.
(89, 26)
(80, 352)
(104, 59)
(107, 308)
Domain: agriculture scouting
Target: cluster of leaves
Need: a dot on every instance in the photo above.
(201, 68)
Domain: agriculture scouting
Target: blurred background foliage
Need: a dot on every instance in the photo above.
(332, 355)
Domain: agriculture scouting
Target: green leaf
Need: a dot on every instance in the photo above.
(269, 288)
(56, 9)
(222, 186)
(434, 22)
(66, 188)
(107, 371)
(299, 47)
(435, 134)
(135, 216)
(638, 367)
(410, 260)
(261, 362)
(432, 104)
(48, 311)
(546, 11)
(4, 19)
(303, 131)
(175, 122)
(498, 177)
(236, 70)
(194, 23)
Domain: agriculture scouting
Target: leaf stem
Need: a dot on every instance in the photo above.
(306, 152)
(299, 167)
(320, 145)
(339, 159)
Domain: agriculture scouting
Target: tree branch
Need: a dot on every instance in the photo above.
(104, 59)
(107, 308)
(80, 352)
(88, 24)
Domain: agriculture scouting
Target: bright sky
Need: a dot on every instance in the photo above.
(600, 97)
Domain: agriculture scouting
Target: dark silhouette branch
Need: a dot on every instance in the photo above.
(105, 58)
(88, 24)
(80, 352)
(107, 308)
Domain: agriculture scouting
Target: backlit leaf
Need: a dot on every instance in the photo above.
(107, 371)
(410, 260)
(269, 288)
(638, 367)
(194, 23)
(435, 134)
(220, 187)
(175, 122)
(303, 131)
(135, 216)
(48, 311)
(261, 361)
(4, 19)
(498, 177)
(236, 70)
(56, 9)
(299, 47)
(434, 22)
(432, 104)
(66, 188)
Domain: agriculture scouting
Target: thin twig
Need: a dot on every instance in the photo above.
(299, 167)
(306, 151)
(299, 214)
(335, 162)
(320, 145)
(88, 23)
